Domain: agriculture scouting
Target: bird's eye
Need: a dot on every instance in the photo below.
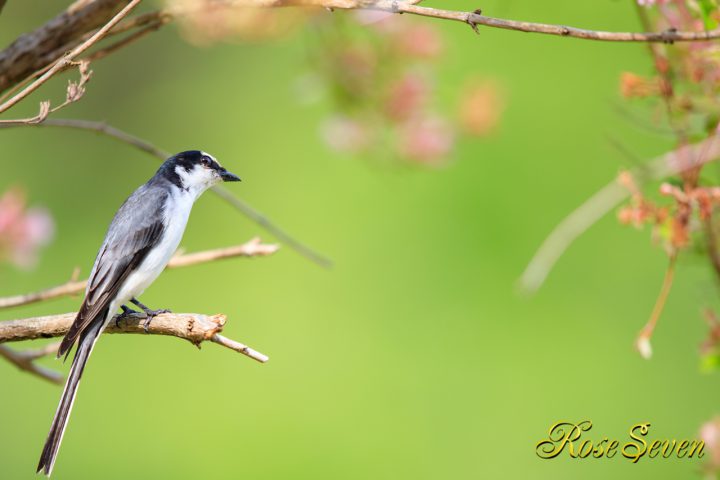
(205, 161)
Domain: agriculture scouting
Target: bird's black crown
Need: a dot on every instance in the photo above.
(187, 160)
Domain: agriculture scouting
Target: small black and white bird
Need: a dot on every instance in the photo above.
(141, 239)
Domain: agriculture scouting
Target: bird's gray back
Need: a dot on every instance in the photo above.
(137, 223)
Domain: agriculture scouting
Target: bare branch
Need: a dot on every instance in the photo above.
(69, 57)
(240, 205)
(607, 198)
(473, 19)
(75, 91)
(65, 290)
(476, 18)
(25, 360)
(259, 218)
(133, 37)
(252, 248)
(193, 327)
(40, 117)
(107, 130)
(30, 52)
(239, 347)
(36, 50)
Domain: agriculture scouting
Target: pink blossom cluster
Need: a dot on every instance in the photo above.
(383, 80)
(23, 231)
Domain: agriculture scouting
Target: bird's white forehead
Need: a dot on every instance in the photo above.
(211, 157)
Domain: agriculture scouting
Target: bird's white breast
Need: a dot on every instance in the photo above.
(175, 218)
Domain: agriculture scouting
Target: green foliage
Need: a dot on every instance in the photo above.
(709, 10)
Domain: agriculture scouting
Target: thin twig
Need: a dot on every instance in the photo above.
(193, 327)
(239, 347)
(643, 341)
(75, 91)
(41, 115)
(252, 248)
(240, 205)
(662, 67)
(65, 290)
(471, 18)
(25, 360)
(68, 58)
(475, 18)
(133, 37)
(142, 20)
(108, 130)
(712, 245)
(259, 218)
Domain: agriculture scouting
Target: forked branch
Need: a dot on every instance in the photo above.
(25, 360)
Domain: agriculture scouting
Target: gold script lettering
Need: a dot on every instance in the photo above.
(633, 450)
(560, 435)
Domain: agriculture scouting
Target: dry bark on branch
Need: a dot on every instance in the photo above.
(34, 50)
(68, 59)
(193, 327)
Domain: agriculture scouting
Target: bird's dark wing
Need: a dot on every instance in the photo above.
(136, 228)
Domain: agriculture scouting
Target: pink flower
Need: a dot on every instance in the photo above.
(427, 140)
(22, 230)
(407, 96)
(710, 434)
(419, 40)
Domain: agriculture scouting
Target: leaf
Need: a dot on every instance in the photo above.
(707, 8)
(710, 362)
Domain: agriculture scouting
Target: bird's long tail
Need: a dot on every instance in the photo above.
(85, 346)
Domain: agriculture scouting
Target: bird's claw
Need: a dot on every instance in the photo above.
(150, 314)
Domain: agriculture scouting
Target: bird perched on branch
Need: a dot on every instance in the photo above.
(140, 241)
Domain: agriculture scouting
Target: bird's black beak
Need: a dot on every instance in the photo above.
(228, 177)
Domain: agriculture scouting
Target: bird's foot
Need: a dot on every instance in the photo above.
(149, 313)
(126, 312)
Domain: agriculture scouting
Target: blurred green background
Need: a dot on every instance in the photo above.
(414, 357)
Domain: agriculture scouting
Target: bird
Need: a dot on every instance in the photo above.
(141, 239)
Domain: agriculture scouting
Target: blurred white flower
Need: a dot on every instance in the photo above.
(650, 3)
(644, 347)
(346, 134)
